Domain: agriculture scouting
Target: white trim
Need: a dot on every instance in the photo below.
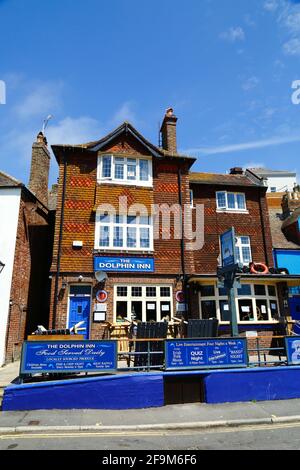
(217, 298)
(125, 181)
(158, 299)
(124, 225)
(226, 208)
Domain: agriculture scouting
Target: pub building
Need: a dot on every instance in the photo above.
(108, 267)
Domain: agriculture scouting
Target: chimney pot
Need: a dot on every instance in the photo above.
(168, 131)
(236, 171)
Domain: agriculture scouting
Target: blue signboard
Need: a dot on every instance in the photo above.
(206, 353)
(68, 356)
(124, 265)
(228, 248)
(292, 345)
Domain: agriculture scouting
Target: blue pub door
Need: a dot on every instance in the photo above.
(79, 311)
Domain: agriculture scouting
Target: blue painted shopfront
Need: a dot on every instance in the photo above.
(289, 259)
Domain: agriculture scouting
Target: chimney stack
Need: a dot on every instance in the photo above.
(39, 173)
(168, 131)
(236, 171)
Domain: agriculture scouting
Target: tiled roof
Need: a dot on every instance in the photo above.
(278, 237)
(220, 179)
(8, 181)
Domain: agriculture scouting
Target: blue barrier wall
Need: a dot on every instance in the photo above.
(263, 384)
(115, 392)
(146, 390)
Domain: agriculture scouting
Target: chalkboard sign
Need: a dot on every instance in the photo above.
(68, 356)
(206, 353)
(292, 345)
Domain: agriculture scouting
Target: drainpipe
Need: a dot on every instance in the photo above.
(182, 242)
(62, 214)
(263, 229)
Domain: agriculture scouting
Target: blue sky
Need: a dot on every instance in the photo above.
(226, 66)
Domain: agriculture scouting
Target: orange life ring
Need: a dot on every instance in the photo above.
(254, 266)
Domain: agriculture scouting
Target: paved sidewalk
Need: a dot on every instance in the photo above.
(9, 373)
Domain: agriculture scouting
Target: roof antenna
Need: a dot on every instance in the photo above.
(46, 122)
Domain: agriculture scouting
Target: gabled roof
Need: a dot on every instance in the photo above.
(126, 128)
(267, 172)
(8, 181)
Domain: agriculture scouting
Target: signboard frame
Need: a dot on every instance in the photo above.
(109, 266)
(207, 367)
(27, 371)
(289, 353)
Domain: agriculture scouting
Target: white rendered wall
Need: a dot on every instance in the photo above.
(281, 183)
(9, 215)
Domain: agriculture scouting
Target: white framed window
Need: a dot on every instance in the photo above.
(119, 169)
(254, 303)
(143, 302)
(227, 201)
(243, 250)
(123, 233)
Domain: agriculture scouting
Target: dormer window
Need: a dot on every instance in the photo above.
(125, 170)
(231, 202)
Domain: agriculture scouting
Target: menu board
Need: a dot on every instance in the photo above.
(206, 353)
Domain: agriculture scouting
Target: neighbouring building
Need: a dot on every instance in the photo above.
(111, 266)
(25, 250)
(277, 181)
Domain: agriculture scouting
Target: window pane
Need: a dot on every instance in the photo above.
(131, 219)
(207, 291)
(118, 219)
(241, 202)
(131, 169)
(245, 240)
(145, 237)
(231, 201)
(106, 167)
(121, 291)
(136, 292)
(222, 292)
(144, 170)
(246, 255)
(260, 290)
(151, 291)
(144, 220)
(244, 290)
(262, 310)
(274, 309)
(118, 236)
(208, 309)
(104, 236)
(121, 312)
(80, 290)
(165, 292)
(272, 291)
(221, 199)
(225, 312)
(119, 168)
(246, 310)
(131, 237)
(105, 218)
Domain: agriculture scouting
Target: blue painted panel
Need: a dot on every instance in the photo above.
(280, 383)
(125, 265)
(68, 356)
(106, 393)
(206, 353)
(289, 259)
(79, 310)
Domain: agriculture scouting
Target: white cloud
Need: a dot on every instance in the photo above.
(292, 47)
(250, 83)
(42, 100)
(124, 113)
(233, 34)
(271, 5)
(243, 146)
(74, 131)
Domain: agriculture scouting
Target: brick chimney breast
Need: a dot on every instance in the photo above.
(39, 172)
(168, 131)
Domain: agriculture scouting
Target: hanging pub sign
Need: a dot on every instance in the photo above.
(228, 250)
(60, 357)
(206, 353)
